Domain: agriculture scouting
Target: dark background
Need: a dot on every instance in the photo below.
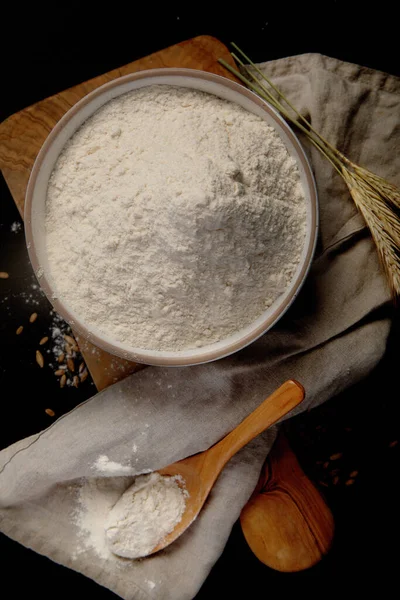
(45, 53)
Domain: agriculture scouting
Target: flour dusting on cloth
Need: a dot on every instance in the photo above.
(104, 465)
(94, 500)
(115, 520)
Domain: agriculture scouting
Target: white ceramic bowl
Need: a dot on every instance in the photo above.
(36, 199)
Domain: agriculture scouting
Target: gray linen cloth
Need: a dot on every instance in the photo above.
(333, 336)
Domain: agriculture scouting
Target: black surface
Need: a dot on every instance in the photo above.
(362, 424)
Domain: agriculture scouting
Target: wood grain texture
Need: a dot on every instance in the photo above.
(22, 135)
(286, 522)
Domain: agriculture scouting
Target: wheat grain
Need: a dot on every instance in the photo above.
(39, 359)
(70, 340)
(336, 456)
(376, 199)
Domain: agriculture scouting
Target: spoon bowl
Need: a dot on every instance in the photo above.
(197, 474)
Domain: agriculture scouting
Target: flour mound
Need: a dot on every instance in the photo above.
(174, 219)
(144, 515)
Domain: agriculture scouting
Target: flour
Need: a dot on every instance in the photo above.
(150, 583)
(114, 519)
(174, 219)
(144, 515)
(104, 465)
(95, 499)
(16, 227)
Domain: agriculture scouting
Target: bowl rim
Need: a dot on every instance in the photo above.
(207, 353)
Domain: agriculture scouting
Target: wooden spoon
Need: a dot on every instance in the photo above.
(286, 522)
(200, 471)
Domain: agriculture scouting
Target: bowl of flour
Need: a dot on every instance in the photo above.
(171, 217)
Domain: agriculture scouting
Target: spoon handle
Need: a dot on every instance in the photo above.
(278, 404)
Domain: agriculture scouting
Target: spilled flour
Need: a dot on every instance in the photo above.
(182, 217)
(95, 498)
(105, 466)
(114, 519)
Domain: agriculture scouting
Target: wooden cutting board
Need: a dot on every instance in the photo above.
(22, 135)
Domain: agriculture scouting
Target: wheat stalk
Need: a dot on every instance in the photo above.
(377, 199)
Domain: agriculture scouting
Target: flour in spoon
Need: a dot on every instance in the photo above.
(144, 515)
(173, 219)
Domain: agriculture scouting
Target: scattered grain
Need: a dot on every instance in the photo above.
(4, 275)
(81, 367)
(19, 330)
(336, 456)
(393, 444)
(39, 359)
(75, 381)
(33, 317)
(68, 349)
(350, 482)
(354, 474)
(50, 412)
(59, 372)
(63, 380)
(336, 480)
(70, 340)
(326, 464)
(61, 357)
(71, 364)
(43, 340)
(83, 375)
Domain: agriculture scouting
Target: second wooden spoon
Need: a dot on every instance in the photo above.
(200, 471)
